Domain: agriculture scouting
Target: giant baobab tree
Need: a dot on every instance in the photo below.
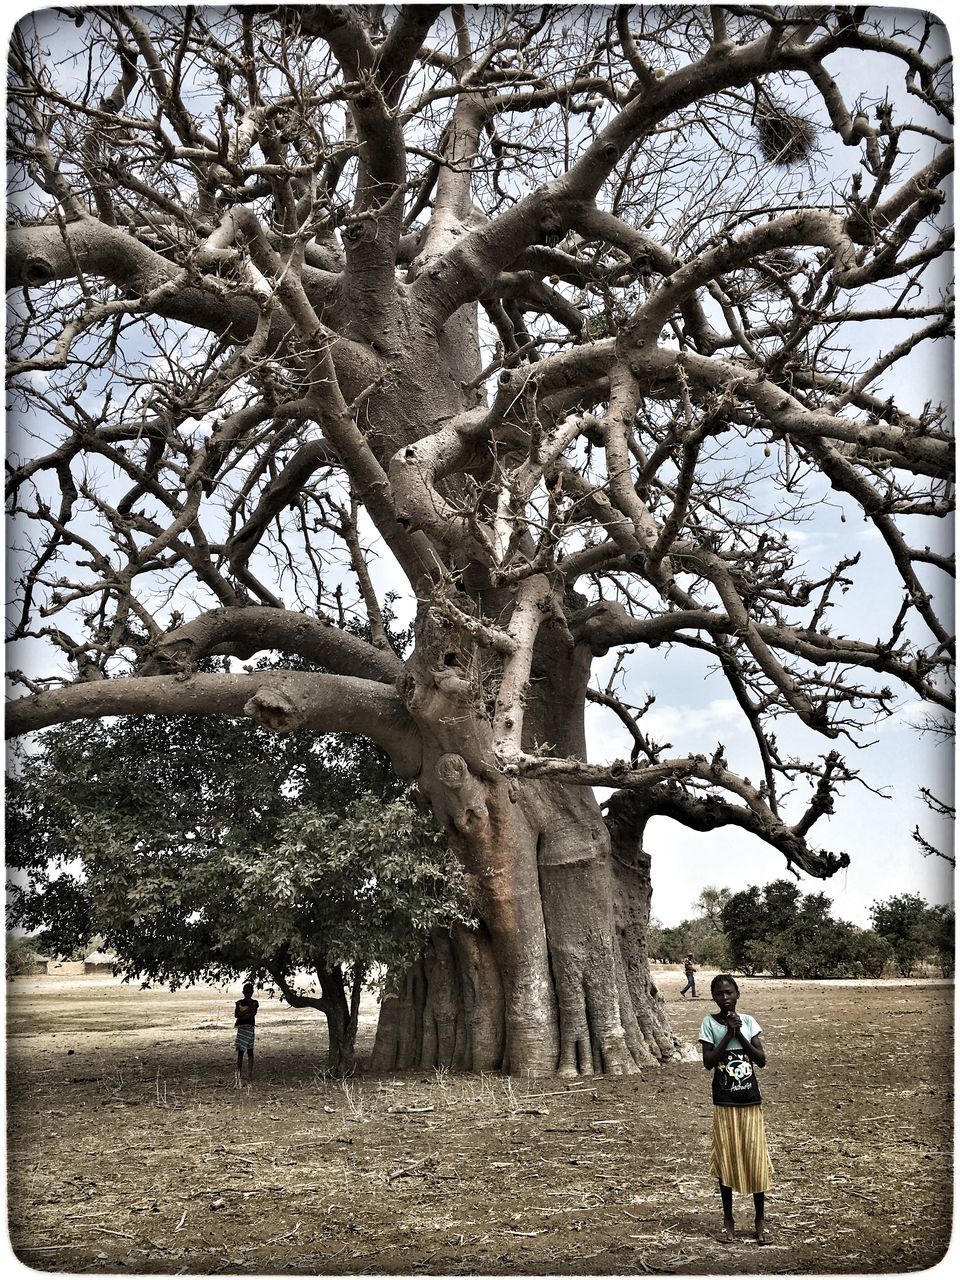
(569, 317)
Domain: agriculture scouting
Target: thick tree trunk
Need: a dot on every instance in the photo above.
(575, 996)
(450, 1010)
(556, 979)
(626, 822)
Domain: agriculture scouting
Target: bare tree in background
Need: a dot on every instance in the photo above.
(554, 305)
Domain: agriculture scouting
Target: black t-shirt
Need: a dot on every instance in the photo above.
(735, 1081)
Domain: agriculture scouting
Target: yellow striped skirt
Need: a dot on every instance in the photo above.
(739, 1157)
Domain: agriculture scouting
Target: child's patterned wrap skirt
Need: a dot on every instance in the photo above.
(739, 1157)
(244, 1038)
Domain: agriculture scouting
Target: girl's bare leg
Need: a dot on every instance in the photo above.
(758, 1220)
(726, 1199)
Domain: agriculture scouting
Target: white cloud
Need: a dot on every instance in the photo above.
(679, 723)
(689, 729)
(909, 716)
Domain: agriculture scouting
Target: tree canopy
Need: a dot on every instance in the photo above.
(297, 861)
(776, 929)
(779, 930)
(912, 929)
(568, 321)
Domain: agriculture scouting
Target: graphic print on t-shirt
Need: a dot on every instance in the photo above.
(734, 1081)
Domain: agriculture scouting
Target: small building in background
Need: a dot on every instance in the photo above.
(95, 962)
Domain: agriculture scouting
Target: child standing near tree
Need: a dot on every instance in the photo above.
(245, 1015)
(732, 1047)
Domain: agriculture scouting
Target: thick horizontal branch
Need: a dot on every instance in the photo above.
(708, 812)
(279, 700)
(617, 773)
(46, 253)
(43, 255)
(242, 632)
(658, 789)
(661, 369)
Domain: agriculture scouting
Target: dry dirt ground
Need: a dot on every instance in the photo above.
(130, 1150)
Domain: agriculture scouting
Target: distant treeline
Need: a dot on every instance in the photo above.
(777, 929)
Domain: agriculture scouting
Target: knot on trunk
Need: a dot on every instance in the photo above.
(468, 813)
(273, 708)
(449, 681)
(170, 657)
(36, 272)
(453, 771)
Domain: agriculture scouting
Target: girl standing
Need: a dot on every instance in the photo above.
(245, 1014)
(732, 1047)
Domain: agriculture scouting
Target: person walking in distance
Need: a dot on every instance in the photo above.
(245, 1015)
(690, 972)
(732, 1047)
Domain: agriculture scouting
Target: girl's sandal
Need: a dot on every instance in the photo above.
(726, 1231)
(761, 1233)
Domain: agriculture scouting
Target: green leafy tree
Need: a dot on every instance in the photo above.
(784, 932)
(19, 956)
(868, 953)
(904, 921)
(942, 922)
(276, 857)
(781, 906)
(703, 934)
(808, 943)
(811, 947)
(744, 923)
(659, 940)
(710, 905)
(708, 944)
